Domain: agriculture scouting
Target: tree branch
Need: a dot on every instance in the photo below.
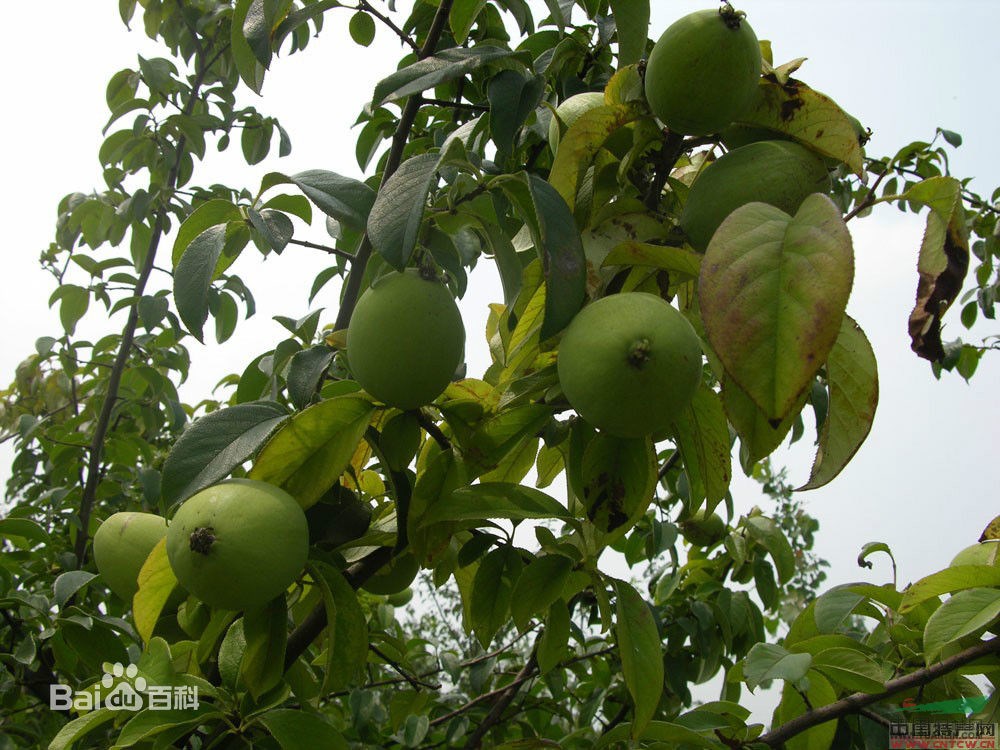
(404, 37)
(324, 248)
(858, 701)
(502, 702)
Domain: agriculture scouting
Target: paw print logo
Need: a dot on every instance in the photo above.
(125, 688)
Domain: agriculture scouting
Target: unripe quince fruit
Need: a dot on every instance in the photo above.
(121, 545)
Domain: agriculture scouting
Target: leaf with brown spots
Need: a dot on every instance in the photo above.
(853, 377)
(618, 477)
(808, 116)
(703, 438)
(772, 291)
(944, 261)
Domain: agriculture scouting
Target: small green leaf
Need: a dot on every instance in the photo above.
(462, 16)
(852, 374)
(295, 729)
(398, 211)
(632, 22)
(445, 66)
(555, 636)
(343, 198)
(193, 277)
(495, 500)
(773, 335)
(273, 226)
(23, 528)
(212, 446)
(247, 64)
(539, 586)
(80, 727)
(640, 651)
(266, 633)
(768, 661)
(513, 96)
(362, 28)
(305, 373)
(770, 536)
(347, 629)
(703, 438)
(491, 592)
(209, 214)
(962, 615)
(68, 583)
(310, 451)
(833, 607)
(73, 303)
(156, 583)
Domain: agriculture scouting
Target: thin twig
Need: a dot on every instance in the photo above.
(456, 105)
(433, 430)
(414, 681)
(325, 248)
(365, 6)
(527, 673)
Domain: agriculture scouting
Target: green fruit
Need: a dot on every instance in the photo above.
(122, 544)
(400, 598)
(738, 135)
(703, 72)
(238, 544)
(781, 173)
(570, 111)
(406, 339)
(702, 529)
(984, 553)
(629, 364)
(394, 577)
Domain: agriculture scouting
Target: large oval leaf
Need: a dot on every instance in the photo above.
(773, 289)
(394, 222)
(639, 648)
(963, 614)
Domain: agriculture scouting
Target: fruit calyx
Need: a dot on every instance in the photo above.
(638, 353)
(732, 17)
(202, 539)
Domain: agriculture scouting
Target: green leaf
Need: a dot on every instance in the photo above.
(773, 335)
(347, 200)
(73, 303)
(943, 263)
(850, 668)
(266, 633)
(312, 449)
(758, 436)
(949, 581)
(305, 373)
(193, 277)
(852, 372)
(394, 222)
(618, 477)
(212, 446)
(362, 28)
(346, 630)
(555, 636)
(209, 214)
(295, 729)
(539, 585)
(495, 500)
(430, 72)
(671, 735)
(962, 615)
(681, 262)
(230, 656)
(23, 528)
(632, 22)
(820, 693)
(150, 723)
(581, 143)
(768, 661)
(68, 583)
(834, 606)
(770, 536)
(247, 64)
(557, 242)
(462, 16)
(703, 438)
(296, 205)
(491, 592)
(513, 96)
(80, 727)
(156, 583)
(639, 648)
(273, 226)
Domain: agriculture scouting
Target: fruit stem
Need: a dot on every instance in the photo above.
(638, 353)
(202, 539)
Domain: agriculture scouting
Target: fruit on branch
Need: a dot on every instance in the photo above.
(394, 577)
(406, 339)
(781, 173)
(238, 544)
(400, 598)
(121, 545)
(629, 364)
(569, 112)
(703, 72)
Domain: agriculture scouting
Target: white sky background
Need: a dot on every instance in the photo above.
(925, 480)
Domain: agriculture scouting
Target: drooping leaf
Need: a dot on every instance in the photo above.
(769, 661)
(312, 449)
(640, 651)
(852, 373)
(758, 436)
(462, 16)
(442, 67)
(346, 630)
(491, 592)
(394, 222)
(809, 117)
(557, 242)
(273, 226)
(247, 64)
(770, 536)
(295, 729)
(266, 633)
(618, 476)
(305, 373)
(965, 613)
(156, 583)
(362, 28)
(632, 22)
(555, 636)
(343, 198)
(773, 290)
(193, 277)
(703, 438)
(513, 96)
(943, 263)
(212, 446)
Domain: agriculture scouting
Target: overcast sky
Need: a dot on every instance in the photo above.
(925, 480)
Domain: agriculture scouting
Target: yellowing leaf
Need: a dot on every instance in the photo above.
(156, 582)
